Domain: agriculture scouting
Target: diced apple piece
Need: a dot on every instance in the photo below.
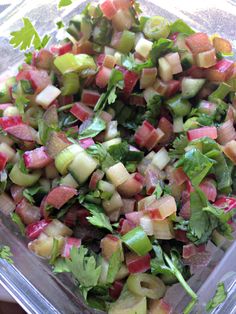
(143, 47)
(113, 204)
(230, 151)
(148, 77)
(147, 224)
(117, 174)
(132, 186)
(108, 9)
(161, 159)
(109, 245)
(221, 71)
(163, 229)
(222, 45)
(57, 228)
(161, 208)
(47, 96)
(109, 61)
(174, 61)
(206, 59)
(198, 42)
(165, 70)
(81, 111)
(122, 20)
(159, 307)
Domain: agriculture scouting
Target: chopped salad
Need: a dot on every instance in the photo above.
(118, 153)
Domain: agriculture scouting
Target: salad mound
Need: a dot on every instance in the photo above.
(118, 153)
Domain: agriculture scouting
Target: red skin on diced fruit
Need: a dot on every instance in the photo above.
(173, 86)
(22, 132)
(222, 71)
(6, 122)
(159, 307)
(82, 215)
(134, 217)
(198, 42)
(137, 264)
(167, 128)
(180, 235)
(131, 186)
(178, 176)
(61, 49)
(71, 216)
(151, 181)
(34, 230)
(86, 142)
(69, 244)
(60, 195)
(109, 245)
(16, 192)
(125, 226)
(108, 9)
(81, 111)
(115, 289)
(90, 97)
(227, 203)
(130, 80)
(209, 189)
(190, 250)
(3, 160)
(143, 132)
(103, 76)
(27, 212)
(209, 131)
(37, 158)
(43, 59)
(153, 139)
(96, 176)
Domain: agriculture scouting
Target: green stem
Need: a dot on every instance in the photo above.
(221, 92)
(65, 107)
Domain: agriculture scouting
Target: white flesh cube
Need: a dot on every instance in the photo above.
(111, 130)
(165, 70)
(149, 93)
(114, 203)
(174, 61)
(178, 125)
(143, 47)
(43, 245)
(117, 174)
(6, 149)
(69, 181)
(109, 143)
(148, 77)
(47, 96)
(118, 57)
(147, 225)
(161, 159)
(122, 20)
(206, 59)
(109, 51)
(57, 228)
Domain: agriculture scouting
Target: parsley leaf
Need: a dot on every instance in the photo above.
(153, 109)
(28, 57)
(129, 63)
(17, 220)
(27, 36)
(163, 264)
(99, 152)
(96, 126)
(84, 268)
(60, 24)
(195, 165)
(179, 145)
(179, 26)
(60, 266)
(5, 253)
(21, 103)
(44, 131)
(28, 193)
(119, 151)
(116, 81)
(114, 266)
(64, 3)
(161, 48)
(219, 297)
(98, 218)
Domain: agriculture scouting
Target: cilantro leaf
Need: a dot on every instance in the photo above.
(163, 264)
(60, 24)
(96, 126)
(21, 103)
(153, 109)
(179, 145)
(129, 63)
(28, 193)
(84, 268)
(27, 36)
(195, 165)
(44, 131)
(64, 3)
(219, 297)
(5, 253)
(17, 220)
(98, 218)
(116, 81)
(114, 266)
(179, 26)
(99, 152)
(60, 266)
(118, 151)
(28, 57)
(161, 48)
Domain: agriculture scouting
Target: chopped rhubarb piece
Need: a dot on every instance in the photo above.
(131, 186)
(62, 49)
(90, 97)
(143, 132)
(198, 42)
(27, 212)
(115, 289)
(220, 72)
(108, 9)
(209, 188)
(134, 217)
(190, 250)
(34, 230)
(3, 160)
(6, 122)
(137, 264)
(125, 226)
(103, 76)
(37, 158)
(81, 111)
(130, 80)
(173, 86)
(167, 128)
(69, 244)
(227, 203)
(22, 132)
(16, 192)
(86, 142)
(209, 131)
(153, 139)
(43, 59)
(96, 176)
(60, 195)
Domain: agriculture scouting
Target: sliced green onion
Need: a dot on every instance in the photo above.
(146, 285)
(66, 156)
(221, 92)
(23, 179)
(85, 62)
(71, 84)
(33, 115)
(126, 42)
(137, 241)
(179, 107)
(66, 63)
(156, 27)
